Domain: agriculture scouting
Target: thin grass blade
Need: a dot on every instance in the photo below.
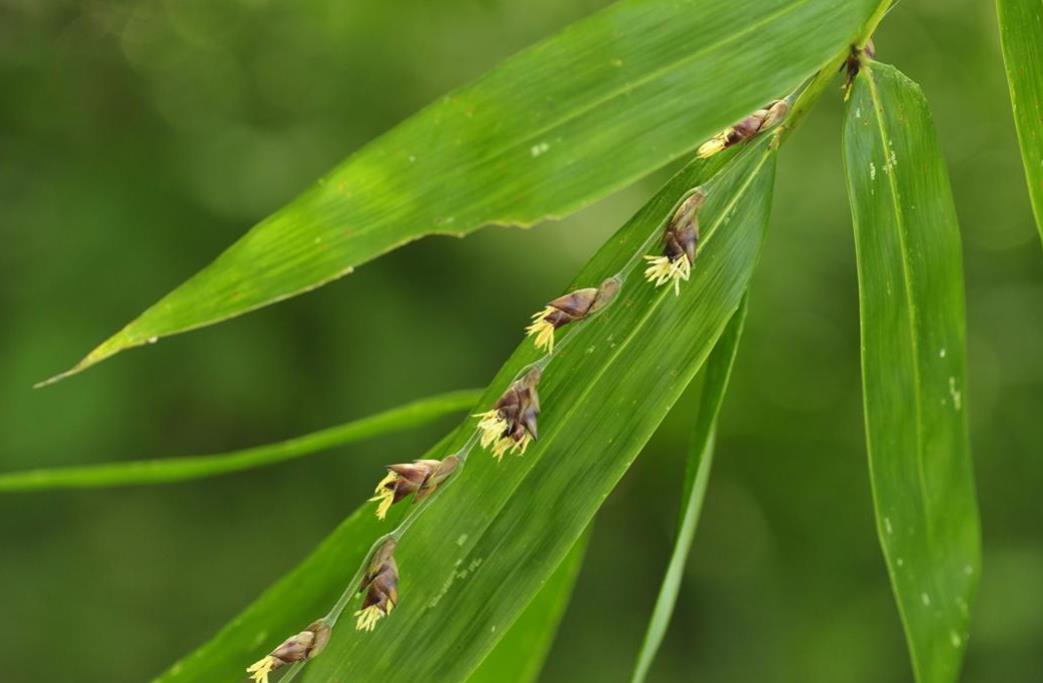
(697, 473)
(913, 365)
(168, 470)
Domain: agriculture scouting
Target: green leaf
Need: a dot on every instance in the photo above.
(195, 467)
(1021, 31)
(472, 562)
(697, 473)
(307, 592)
(519, 656)
(913, 365)
(481, 551)
(550, 130)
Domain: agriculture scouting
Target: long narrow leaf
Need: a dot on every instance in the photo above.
(1021, 31)
(557, 126)
(913, 365)
(481, 552)
(195, 467)
(519, 656)
(697, 473)
(471, 563)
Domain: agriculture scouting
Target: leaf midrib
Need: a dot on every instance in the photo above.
(889, 168)
(885, 141)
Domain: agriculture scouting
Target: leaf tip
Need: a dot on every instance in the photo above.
(100, 353)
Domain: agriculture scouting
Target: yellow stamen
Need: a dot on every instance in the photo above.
(492, 426)
(520, 446)
(259, 670)
(718, 143)
(368, 618)
(502, 446)
(385, 494)
(543, 330)
(662, 270)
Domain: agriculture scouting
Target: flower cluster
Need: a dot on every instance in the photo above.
(511, 424)
(749, 127)
(569, 308)
(421, 477)
(680, 240)
(380, 584)
(297, 648)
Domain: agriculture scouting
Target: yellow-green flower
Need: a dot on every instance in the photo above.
(680, 240)
(749, 127)
(420, 477)
(297, 648)
(511, 424)
(380, 585)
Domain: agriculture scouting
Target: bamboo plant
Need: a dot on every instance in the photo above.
(490, 523)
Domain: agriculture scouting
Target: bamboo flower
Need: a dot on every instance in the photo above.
(569, 308)
(297, 648)
(511, 424)
(749, 127)
(680, 240)
(421, 477)
(380, 585)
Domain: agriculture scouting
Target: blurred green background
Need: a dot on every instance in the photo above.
(139, 138)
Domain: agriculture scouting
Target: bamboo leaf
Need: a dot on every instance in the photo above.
(483, 548)
(519, 656)
(913, 365)
(557, 126)
(1021, 31)
(314, 584)
(476, 557)
(168, 470)
(697, 473)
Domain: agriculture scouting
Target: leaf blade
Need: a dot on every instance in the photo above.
(913, 365)
(649, 72)
(514, 522)
(1021, 33)
(519, 656)
(697, 472)
(168, 470)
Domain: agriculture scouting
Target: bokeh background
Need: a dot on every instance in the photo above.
(139, 138)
